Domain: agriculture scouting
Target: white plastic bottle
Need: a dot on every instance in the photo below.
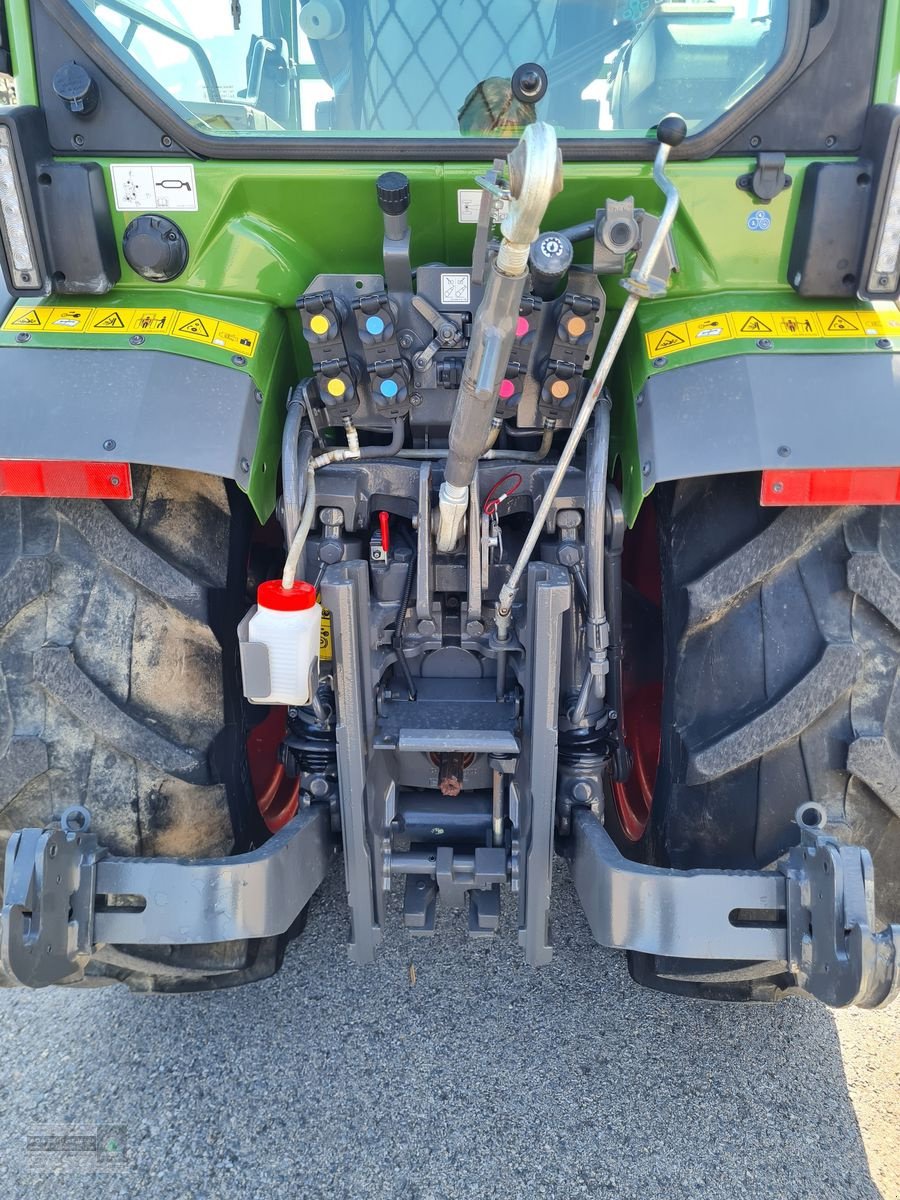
(288, 622)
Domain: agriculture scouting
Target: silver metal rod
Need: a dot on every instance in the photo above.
(497, 808)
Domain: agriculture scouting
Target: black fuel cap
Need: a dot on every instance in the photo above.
(392, 189)
(77, 89)
(155, 248)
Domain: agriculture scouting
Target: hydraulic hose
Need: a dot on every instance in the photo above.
(594, 682)
(351, 451)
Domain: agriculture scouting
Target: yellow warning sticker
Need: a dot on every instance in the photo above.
(709, 329)
(722, 327)
(753, 325)
(193, 327)
(67, 320)
(151, 320)
(26, 318)
(103, 321)
(235, 339)
(668, 340)
(326, 646)
(796, 325)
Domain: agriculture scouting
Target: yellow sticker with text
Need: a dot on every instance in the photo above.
(326, 646)
(235, 338)
(67, 320)
(709, 329)
(723, 327)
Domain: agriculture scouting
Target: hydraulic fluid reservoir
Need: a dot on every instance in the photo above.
(279, 642)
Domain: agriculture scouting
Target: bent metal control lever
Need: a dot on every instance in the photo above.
(535, 177)
(670, 132)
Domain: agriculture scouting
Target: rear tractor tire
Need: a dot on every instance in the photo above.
(781, 651)
(118, 689)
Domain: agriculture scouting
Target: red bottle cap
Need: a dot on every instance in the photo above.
(273, 595)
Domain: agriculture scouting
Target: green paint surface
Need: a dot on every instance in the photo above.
(264, 230)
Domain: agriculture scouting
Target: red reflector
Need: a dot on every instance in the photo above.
(864, 485)
(65, 480)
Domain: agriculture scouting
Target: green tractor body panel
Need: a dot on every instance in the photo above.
(263, 230)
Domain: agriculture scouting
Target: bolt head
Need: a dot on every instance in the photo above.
(23, 338)
(582, 791)
(109, 444)
(245, 465)
(660, 362)
(136, 340)
(415, 399)
(426, 627)
(475, 628)
(784, 452)
(238, 360)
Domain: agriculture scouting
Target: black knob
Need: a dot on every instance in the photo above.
(529, 83)
(672, 130)
(393, 193)
(155, 248)
(76, 88)
(550, 258)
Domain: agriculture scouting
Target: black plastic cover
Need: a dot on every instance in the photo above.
(832, 222)
(68, 206)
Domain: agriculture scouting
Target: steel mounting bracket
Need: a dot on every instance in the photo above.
(59, 900)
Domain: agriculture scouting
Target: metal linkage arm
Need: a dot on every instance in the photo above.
(59, 898)
(813, 914)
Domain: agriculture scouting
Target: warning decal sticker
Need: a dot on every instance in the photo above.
(167, 322)
(723, 327)
(664, 341)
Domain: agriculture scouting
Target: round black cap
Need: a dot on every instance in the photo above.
(393, 192)
(551, 255)
(529, 83)
(155, 248)
(672, 130)
(76, 88)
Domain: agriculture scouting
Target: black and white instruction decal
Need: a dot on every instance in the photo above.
(454, 288)
(140, 187)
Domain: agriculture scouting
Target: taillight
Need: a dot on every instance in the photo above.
(17, 225)
(880, 274)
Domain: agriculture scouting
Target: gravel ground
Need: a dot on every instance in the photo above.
(469, 1077)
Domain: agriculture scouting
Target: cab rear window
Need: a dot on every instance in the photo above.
(439, 69)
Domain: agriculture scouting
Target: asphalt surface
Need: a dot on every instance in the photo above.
(480, 1078)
